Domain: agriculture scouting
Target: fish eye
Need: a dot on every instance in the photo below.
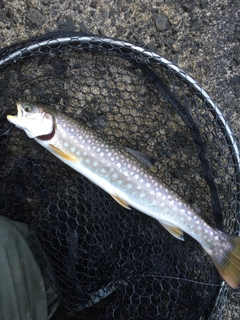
(28, 107)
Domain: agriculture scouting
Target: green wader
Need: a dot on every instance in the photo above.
(25, 293)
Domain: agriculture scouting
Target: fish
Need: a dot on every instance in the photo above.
(127, 176)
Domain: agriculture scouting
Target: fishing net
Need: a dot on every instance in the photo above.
(109, 262)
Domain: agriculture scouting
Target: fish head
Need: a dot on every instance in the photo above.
(34, 119)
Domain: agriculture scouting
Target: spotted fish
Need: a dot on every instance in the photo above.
(118, 171)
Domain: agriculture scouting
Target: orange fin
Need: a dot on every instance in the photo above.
(175, 231)
(121, 201)
(62, 154)
(228, 262)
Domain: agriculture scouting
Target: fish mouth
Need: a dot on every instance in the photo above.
(17, 118)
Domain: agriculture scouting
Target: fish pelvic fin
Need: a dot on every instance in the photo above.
(62, 154)
(228, 262)
(121, 201)
(175, 231)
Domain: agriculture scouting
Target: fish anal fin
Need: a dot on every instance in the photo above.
(227, 262)
(121, 201)
(175, 231)
(62, 154)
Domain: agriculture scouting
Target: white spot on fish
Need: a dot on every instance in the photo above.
(78, 153)
(119, 165)
(142, 195)
(119, 182)
(147, 185)
(66, 144)
(103, 170)
(182, 211)
(95, 163)
(115, 175)
(88, 161)
(129, 185)
(73, 149)
(136, 176)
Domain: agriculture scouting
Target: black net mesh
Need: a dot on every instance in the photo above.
(109, 262)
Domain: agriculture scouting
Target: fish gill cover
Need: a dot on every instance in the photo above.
(109, 262)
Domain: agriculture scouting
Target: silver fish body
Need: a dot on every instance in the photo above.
(118, 172)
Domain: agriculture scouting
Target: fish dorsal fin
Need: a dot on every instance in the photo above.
(175, 231)
(121, 201)
(62, 154)
(142, 157)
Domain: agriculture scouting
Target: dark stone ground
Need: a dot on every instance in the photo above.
(201, 36)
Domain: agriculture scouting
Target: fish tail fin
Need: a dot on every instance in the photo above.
(227, 261)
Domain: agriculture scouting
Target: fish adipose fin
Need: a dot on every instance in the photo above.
(121, 201)
(228, 262)
(175, 231)
(62, 154)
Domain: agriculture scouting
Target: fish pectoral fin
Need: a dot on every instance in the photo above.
(175, 231)
(121, 201)
(62, 154)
